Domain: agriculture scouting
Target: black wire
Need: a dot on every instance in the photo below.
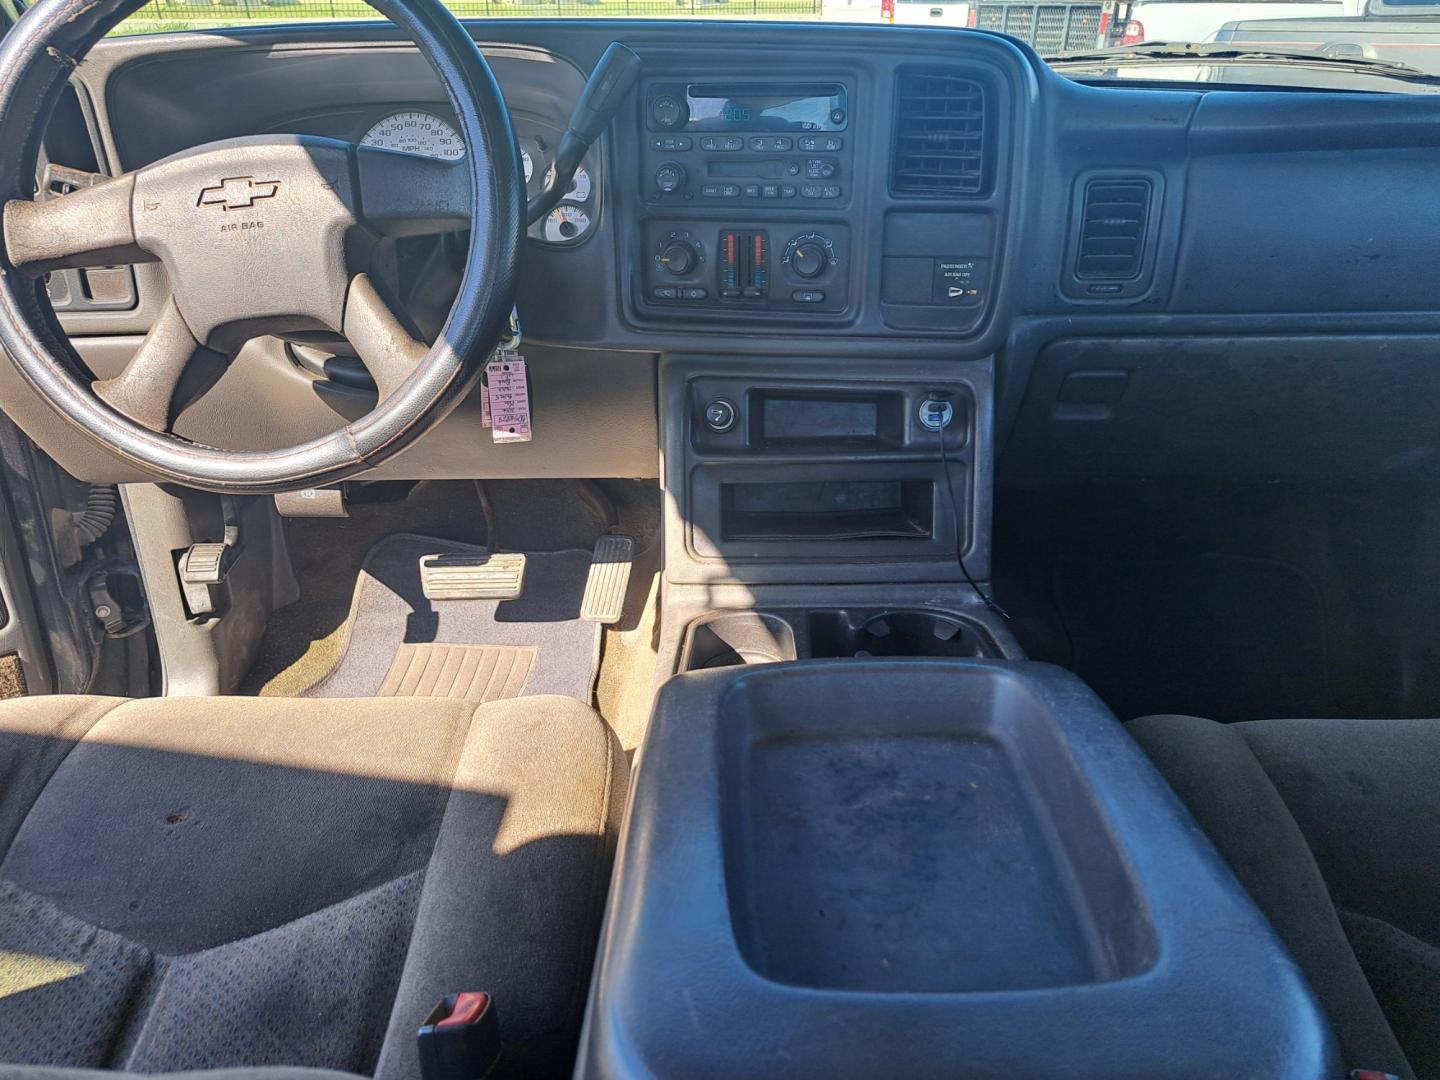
(988, 600)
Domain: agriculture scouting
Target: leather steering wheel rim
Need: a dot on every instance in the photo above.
(408, 195)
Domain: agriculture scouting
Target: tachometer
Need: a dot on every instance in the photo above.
(417, 132)
(566, 223)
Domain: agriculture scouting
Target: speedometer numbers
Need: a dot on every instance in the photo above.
(416, 132)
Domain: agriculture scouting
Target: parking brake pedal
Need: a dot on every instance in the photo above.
(204, 567)
(608, 580)
(480, 575)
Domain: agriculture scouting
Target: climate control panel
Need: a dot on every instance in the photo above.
(766, 267)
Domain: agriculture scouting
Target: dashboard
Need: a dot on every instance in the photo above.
(811, 195)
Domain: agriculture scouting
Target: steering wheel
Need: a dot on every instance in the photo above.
(268, 234)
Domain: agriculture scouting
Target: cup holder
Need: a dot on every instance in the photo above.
(737, 638)
(892, 634)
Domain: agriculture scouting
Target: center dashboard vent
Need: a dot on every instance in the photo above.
(939, 144)
(1113, 221)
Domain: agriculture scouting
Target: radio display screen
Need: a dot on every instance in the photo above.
(756, 107)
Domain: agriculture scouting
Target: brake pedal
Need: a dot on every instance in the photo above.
(480, 575)
(608, 579)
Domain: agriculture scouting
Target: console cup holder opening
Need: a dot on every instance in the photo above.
(736, 639)
(893, 634)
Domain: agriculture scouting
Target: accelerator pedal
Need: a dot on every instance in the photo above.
(473, 575)
(608, 579)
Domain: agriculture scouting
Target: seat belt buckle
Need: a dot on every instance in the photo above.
(460, 1039)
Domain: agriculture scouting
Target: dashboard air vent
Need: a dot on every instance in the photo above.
(939, 147)
(1112, 230)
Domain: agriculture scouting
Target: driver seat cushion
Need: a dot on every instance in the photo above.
(1333, 826)
(212, 883)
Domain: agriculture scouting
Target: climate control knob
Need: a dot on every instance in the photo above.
(679, 257)
(809, 255)
(670, 177)
(809, 260)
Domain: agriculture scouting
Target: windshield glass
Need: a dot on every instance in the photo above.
(1367, 45)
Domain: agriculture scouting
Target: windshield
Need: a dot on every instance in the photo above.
(1366, 45)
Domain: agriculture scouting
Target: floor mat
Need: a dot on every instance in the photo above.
(397, 642)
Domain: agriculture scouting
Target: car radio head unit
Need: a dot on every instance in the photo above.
(749, 107)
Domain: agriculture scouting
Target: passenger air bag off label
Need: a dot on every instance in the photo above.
(508, 393)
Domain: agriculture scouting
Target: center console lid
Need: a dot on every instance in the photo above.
(926, 868)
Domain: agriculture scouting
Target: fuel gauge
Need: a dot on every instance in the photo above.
(566, 223)
(579, 187)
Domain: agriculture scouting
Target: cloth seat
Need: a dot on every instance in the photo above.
(1333, 826)
(277, 885)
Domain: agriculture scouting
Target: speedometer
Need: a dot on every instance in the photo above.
(417, 132)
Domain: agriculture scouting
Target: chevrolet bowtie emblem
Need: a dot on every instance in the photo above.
(238, 192)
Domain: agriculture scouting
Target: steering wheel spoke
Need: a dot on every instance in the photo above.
(411, 195)
(387, 349)
(89, 227)
(145, 390)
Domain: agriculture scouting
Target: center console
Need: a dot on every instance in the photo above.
(930, 868)
(827, 471)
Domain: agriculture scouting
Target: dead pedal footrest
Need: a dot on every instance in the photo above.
(608, 579)
(473, 575)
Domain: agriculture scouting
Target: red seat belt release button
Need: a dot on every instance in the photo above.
(460, 1039)
(469, 1007)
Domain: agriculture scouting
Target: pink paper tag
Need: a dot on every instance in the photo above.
(509, 399)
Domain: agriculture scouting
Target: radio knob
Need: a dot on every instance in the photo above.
(809, 259)
(679, 258)
(670, 177)
(667, 113)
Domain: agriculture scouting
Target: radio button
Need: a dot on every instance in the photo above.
(771, 144)
(671, 143)
(770, 191)
(810, 191)
(724, 144)
(752, 191)
(825, 144)
(667, 112)
(787, 191)
(670, 177)
(830, 191)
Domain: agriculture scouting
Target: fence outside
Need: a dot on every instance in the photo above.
(202, 14)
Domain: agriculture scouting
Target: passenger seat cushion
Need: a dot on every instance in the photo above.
(1217, 775)
(203, 883)
(1366, 796)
